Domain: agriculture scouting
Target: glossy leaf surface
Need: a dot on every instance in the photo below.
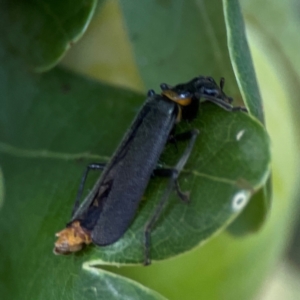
(43, 161)
(52, 125)
(40, 32)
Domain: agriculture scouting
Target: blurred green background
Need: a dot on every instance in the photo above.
(133, 47)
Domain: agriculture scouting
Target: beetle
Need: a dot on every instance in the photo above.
(108, 210)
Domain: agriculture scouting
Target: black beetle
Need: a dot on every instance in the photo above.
(108, 210)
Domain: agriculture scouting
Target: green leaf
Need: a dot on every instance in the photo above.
(252, 217)
(42, 31)
(280, 43)
(255, 214)
(97, 284)
(241, 58)
(175, 41)
(49, 139)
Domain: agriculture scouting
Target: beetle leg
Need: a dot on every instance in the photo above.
(184, 196)
(183, 136)
(240, 108)
(173, 138)
(172, 182)
(92, 166)
(168, 172)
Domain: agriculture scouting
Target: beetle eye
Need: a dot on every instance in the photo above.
(210, 92)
